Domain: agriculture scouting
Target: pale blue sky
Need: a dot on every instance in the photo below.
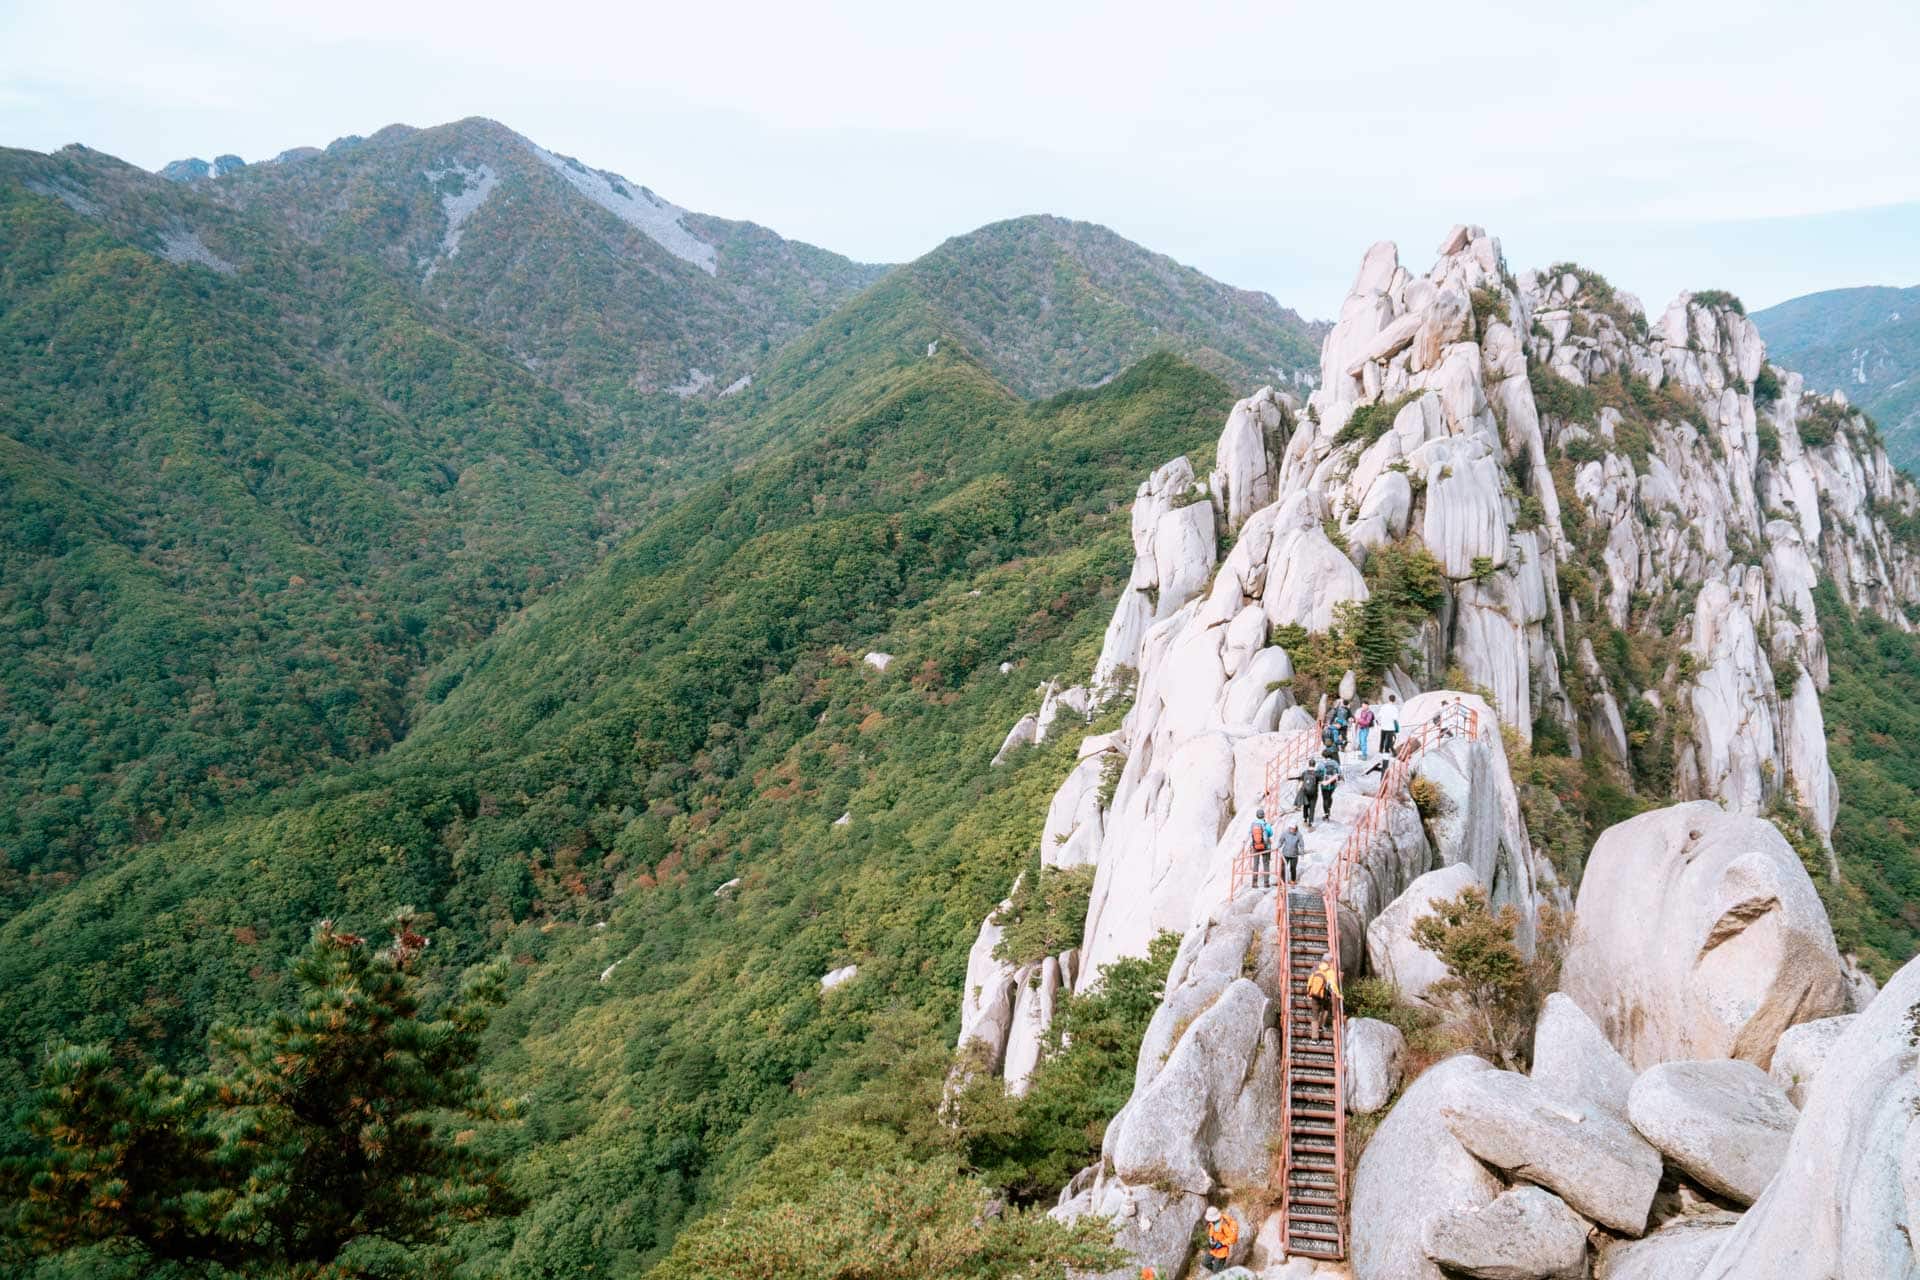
(1771, 147)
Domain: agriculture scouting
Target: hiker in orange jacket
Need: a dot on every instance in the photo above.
(1323, 988)
(1222, 1234)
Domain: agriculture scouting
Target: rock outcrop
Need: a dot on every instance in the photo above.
(1572, 1060)
(1802, 1051)
(1843, 1202)
(1522, 1234)
(1392, 952)
(1723, 1123)
(1698, 934)
(1414, 1168)
(1594, 1162)
(1375, 1051)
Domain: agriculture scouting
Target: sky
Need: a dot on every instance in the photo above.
(1770, 147)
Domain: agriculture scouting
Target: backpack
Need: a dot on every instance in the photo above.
(1365, 718)
(1317, 983)
(1329, 774)
(1259, 837)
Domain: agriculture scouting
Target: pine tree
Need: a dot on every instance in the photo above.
(326, 1137)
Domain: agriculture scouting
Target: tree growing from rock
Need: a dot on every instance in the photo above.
(1494, 985)
(335, 1140)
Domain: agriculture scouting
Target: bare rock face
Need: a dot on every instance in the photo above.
(1722, 1123)
(1414, 1169)
(1594, 1162)
(1699, 935)
(1679, 1250)
(1572, 1060)
(1374, 1053)
(1523, 1234)
(1017, 737)
(1392, 952)
(1209, 1117)
(1154, 1225)
(1840, 1205)
(1244, 478)
(1802, 1051)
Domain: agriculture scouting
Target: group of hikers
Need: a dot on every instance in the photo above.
(1320, 779)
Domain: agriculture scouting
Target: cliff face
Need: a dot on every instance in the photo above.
(1625, 522)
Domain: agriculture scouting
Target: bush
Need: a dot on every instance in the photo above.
(1720, 298)
(1496, 988)
(1371, 421)
(1766, 386)
(1488, 305)
(1045, 914)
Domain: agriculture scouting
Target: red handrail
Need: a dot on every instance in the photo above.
(1451, 718)
(1281, 767)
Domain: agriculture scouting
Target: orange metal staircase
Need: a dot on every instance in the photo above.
(1312, 1173)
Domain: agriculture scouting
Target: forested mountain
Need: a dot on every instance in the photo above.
(693, 711)
(590, 279)
(250, 489)
(1864, 342)
(359, 550)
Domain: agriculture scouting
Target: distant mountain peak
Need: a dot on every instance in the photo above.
(194, 169)
(660, 220)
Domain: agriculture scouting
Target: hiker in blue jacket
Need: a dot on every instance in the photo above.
(1261, 841)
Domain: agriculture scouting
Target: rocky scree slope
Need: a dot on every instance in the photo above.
(1628, 521)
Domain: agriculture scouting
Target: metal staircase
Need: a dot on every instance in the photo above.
(1313, 1118)
(1312, 1161)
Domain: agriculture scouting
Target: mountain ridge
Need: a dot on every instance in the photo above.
(1863, 342)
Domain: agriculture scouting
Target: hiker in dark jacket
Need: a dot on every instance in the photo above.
(1342, 719)
(1329, 772)
(1309, 790)
(1290, 849)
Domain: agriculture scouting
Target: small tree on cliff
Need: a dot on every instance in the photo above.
(316, 1143)
(1495, 986)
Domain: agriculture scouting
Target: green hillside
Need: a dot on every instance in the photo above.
(240, 511)
(692, 711)
(1864, 342)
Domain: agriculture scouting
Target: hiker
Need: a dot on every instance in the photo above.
(1261, 840)
(1290, 849)
(1329, 773)
(1388, 718)
(1342, 719)
(1323, 988)
(1222, 1234)
(1363, 725)
(1309, 791)
(1330, 736)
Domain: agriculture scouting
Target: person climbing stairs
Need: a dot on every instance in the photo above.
(1312, 1110)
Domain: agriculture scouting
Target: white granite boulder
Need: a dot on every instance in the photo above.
(1840, 1206)
(1723, 1123)
(1375, 1051)
(1523, 1234)
(1802, 1051)
(1392, 952)
(1593, 1161)
(1414, 1168)
(1699, 935)
(1574, 1062)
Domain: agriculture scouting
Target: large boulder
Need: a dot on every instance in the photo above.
(1801, 1053)
(1699, 935)
(1412, 1169)
(1392, 952)
(1574, 1062)
(1840, 1207)
(1679, 1250)
(1154, 1225)
(1374, 1053)
(1722, 1123)
(1523, 1234)
(1211, 1116)
(1593, 1161)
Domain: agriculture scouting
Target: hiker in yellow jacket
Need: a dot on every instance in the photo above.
(1323, 988)
(1222, 1234)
